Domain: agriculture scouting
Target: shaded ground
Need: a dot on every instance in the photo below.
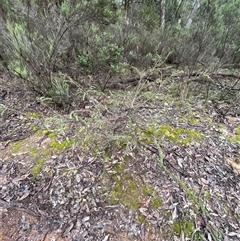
(119, 168)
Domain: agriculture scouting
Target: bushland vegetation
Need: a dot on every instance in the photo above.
(121, 113)
(56, 47)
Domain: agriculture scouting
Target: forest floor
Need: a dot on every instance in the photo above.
(151, 162)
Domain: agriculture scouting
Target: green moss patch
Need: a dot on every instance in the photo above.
(37, 153)
(155, 203)
(128, 191)
(191, 120)
(126, 188)
(37, 167)
(236, 135)
(177, 135)
(186, 226)
(59, 146)
(16, 147)
(33, 115)
(34, 152)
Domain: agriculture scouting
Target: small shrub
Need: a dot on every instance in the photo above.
(148, 17)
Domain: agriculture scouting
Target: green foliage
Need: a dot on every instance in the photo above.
(106, 11)
(52, 46)
(65, 8)
(37, 43)
(54, 124)
(3, 109)
(148, 16)
(59, 91)
(101, 56)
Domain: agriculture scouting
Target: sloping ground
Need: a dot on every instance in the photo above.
(126, 167)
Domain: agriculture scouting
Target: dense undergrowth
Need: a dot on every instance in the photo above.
(58, 48)
(124, 88)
